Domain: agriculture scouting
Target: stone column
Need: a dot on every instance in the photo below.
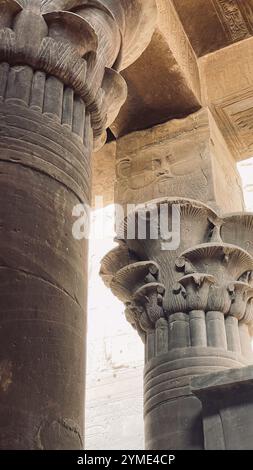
(59, 89)
(184, 272)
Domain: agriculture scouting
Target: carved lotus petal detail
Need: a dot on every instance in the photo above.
(82, 43)
(196, 288)
(115, 89)
(115, 260)
(31, 5)
(151, 297)
(136, 31)
(8, 10)
(225, 262)
(65, 26)
(195, 228)
(29, 24)
(208, 273)
(241, 293)
(183, 265)
(175, 299)
(219, 299)
(136, 317)
(237, 229)
(128, 279)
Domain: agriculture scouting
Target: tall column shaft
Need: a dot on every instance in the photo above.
(58, 92)
(44, 173)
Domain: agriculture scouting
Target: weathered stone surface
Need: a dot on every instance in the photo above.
(104, 174)
(108, 331)
(173, 415)
(211, 271)
(225, 22)
(191, 305)
(185, 157)
(226, 398)
(203, 60)
(60, 87)
(147, 79)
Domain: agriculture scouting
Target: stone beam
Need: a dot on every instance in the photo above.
(60, 87)
(174, 32)
(189, 64)
(164, 81)
(147, 81)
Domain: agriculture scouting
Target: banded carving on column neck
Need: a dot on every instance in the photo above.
(197, 295)
(81, 47)
(47, 96)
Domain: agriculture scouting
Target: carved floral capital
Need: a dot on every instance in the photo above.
(82, 43)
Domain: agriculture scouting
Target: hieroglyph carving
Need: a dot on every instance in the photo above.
(232, 18)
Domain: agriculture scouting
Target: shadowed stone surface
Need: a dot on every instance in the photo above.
(227, 403)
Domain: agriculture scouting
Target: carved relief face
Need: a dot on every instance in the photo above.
(141, 171)
(158, 166)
